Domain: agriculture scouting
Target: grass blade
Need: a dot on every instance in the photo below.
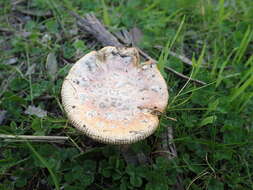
(199, 62)
(240, 90)
(44, 162)
(247, 98)
(220, 78)
(243, 46)
(165, 52)
(106, 17)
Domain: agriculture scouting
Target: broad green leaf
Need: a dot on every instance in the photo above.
(215, 184)
(135, 180)
(208, 120)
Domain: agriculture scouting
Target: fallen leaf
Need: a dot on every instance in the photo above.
(30, 70)
(136, 35)
(32, 110)
(2, 115)
(51, 66)
(46, 38)
(11, 61)
(24, 34)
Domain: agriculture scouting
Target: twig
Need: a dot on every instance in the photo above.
(20, 138)
(6, 30)
(145, 55)
(93, 26)
(182, 58)
(187, 61)
(168, 69)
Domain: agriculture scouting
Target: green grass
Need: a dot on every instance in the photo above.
(213, 131)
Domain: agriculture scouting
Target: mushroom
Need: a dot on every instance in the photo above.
(113, 98)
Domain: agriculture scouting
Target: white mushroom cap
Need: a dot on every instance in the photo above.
(111, 97)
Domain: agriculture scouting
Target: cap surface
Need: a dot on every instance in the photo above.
(112, 97)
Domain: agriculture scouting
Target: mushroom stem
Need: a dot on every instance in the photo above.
(128, 154)
(131, 157)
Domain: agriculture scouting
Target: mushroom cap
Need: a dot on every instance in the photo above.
(112, 97)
